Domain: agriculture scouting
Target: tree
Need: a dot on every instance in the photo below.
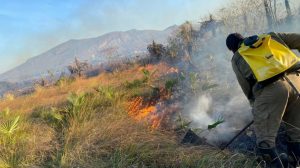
(78, 67)
(268, 14)
(156, 50)
(242, 16)
(184, 41)
(288, 10)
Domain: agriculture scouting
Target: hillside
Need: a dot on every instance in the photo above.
(4, 86)
(72, 125)
(109, 47)
(175, 108)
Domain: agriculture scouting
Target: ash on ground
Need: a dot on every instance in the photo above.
(245, 143)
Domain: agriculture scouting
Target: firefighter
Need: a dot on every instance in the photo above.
(274, 97)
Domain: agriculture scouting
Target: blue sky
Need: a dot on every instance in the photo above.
(30, 27)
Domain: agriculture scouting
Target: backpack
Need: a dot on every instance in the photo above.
(267, 57)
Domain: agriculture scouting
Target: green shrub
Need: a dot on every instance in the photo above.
(207, 86)
(170, 84)
(64, 80)
(52, 116)
(134, 84)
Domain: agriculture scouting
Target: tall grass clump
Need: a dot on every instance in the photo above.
(11, 155)
(74, 122)
(20, 142)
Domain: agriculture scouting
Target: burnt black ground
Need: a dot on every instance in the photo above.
(245, 143)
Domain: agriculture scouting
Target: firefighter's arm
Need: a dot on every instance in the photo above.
(245, 85)
(292, 40)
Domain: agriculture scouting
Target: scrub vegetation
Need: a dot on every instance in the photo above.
(87, 123)
(115, 119)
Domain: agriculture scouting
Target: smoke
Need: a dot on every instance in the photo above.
(226, 102)
(206, 110)
(200, 112)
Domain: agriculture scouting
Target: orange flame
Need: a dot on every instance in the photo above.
(156, 120)
(140, 113)
(173, 70)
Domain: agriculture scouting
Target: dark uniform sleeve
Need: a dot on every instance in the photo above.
(245, 85)
(292, 40)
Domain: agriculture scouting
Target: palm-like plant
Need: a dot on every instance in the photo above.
(76, 99)
(9, 127)
(107, 92)
(75, 109)
(148, 76)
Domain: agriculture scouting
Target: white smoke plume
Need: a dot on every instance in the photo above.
(235, 112)
(227, 101)
(200, 112)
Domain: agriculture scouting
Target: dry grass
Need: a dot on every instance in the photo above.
(55, 95)
(94, 129)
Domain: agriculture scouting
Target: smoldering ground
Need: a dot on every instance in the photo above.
(206, 110)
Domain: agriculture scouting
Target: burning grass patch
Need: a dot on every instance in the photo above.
(147, 113)
(99, 122)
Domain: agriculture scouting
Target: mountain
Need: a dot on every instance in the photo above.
(108, 47)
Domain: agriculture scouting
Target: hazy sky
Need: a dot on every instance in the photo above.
(30, 27)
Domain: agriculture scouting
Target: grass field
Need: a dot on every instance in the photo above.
(90, 123)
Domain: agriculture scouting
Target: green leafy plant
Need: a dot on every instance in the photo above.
(182, 123)
(76, 99)
(107, 92)
(76, 102)
(207, 86)
(182, 76)
(146, 73)
(215, 124)
(145, 81)
(170, 84)
(9, 127)
(134, 84)
(108, 96)
(12, 153)
(148, 76)
(55, 115)
(194, 80)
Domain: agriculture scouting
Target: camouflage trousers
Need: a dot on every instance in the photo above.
(275, 103)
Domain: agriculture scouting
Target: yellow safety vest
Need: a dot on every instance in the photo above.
(267, 57)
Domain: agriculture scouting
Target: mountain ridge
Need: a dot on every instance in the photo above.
(107, 47)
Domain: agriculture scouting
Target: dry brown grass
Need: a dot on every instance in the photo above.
(99, 132)
(55, 95)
